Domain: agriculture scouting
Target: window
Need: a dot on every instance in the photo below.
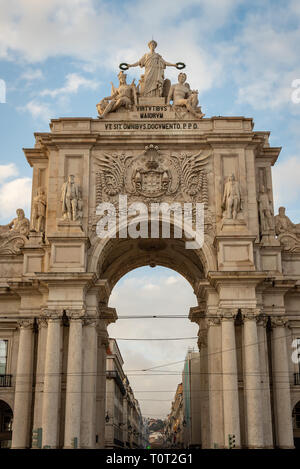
(3, 356)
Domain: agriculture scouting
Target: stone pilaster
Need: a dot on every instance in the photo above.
(230, 382)
(23, 388)
(89, 381)
(74, 379)
(252, 379)
(281, 384)
(52, 381)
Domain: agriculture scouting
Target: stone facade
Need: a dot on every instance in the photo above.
(56, 274)
(124, 425)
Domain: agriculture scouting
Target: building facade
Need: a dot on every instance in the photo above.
(191, 388)
(123, 419)
(152, 144)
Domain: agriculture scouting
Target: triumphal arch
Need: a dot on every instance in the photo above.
(151, 143)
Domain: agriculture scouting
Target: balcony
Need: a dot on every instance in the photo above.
(297, 379)
(5, 381)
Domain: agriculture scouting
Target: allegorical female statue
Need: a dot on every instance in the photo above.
(154, 71)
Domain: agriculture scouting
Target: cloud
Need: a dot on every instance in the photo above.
(32, 74)
(7, 171)
(286, 186)
(73, 83)
(14, 194)
(37, 109)
(133, 297)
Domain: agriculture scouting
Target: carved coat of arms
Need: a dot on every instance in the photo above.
(152, 175)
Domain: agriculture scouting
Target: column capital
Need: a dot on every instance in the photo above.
(90, 321)
(278, 321)
(250, 314)
(228, 314)
(213, 321)
(26, 323)
(75, 314)
(42, 322)
(262, 320)
(102, 336)
(202, 339)
(53, 314)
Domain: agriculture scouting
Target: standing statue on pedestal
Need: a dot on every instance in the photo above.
(183, 96)
(155, 65)
(70, 197)
(232, 198)
(123, 96)
(265, 211)
(39, 211)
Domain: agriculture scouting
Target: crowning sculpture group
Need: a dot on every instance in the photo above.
(152, 86)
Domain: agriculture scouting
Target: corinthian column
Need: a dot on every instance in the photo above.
(281, 384)
(252, 380)
(214, 352)
(230, 382)
(23, 388)
(74, 380)
(89, 380)
(265, 381)
(40, 373)
(52, 381)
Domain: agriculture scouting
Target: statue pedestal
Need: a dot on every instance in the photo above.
(35, 238)
(268, 238)
(74, 226)
(230, 225)
(152, 101)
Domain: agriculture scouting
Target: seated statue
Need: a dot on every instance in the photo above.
(123, 96)
(284, 225)
(19, 225)
(183, 96)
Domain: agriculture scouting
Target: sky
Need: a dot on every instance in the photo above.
(57, 59)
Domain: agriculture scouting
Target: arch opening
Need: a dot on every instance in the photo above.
(6, 419)
(154, 349)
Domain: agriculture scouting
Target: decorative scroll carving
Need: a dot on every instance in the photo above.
(14, 235)
(287, 232)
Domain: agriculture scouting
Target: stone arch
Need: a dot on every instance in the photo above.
(193, 264)
(296, 424)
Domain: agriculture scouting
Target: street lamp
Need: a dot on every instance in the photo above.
(107, 417)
